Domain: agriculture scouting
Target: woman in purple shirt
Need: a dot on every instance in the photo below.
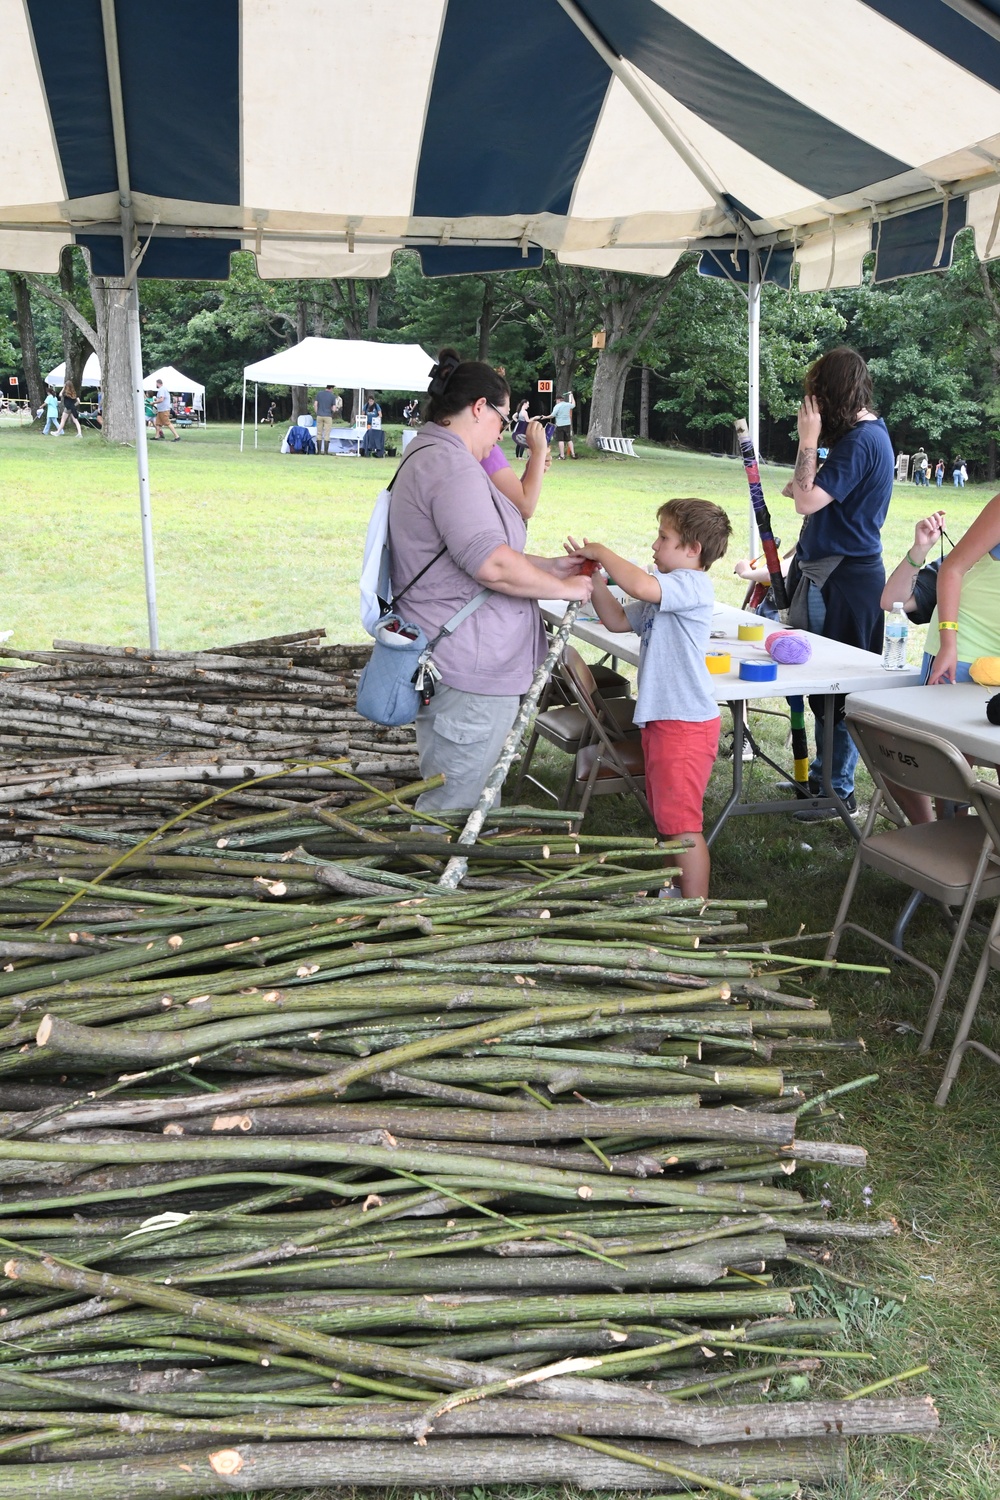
(443, 500)
(523, 492)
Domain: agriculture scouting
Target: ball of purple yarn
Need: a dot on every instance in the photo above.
(788, 648)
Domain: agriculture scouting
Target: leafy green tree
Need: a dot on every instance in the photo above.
(905, 331)
(703, 353)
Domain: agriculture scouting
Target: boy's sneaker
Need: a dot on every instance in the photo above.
(827, 814)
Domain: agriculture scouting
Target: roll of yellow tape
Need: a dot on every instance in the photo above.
(986, 671)
(718, 661)
(750, 633)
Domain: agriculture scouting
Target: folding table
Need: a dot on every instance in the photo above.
(955, 711)
(832, 669)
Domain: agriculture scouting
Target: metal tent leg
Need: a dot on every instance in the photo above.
(753, 372)
(142, 460)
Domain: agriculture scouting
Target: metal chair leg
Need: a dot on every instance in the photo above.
(528, 752)
(941, 992)
(588, 788)
(843, 908)
(961, 1042)
(905, 917)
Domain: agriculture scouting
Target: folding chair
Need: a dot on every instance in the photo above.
(563, 723)
(952, 861)
(610, 759)
(989, 960)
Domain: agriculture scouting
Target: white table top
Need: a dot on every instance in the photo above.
(955, 711)
(832, 668)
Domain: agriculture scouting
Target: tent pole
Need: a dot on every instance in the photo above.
(142, 460)
(243, 417)
(753, 371)
(130, 269)
(633, 84)
(255, 388)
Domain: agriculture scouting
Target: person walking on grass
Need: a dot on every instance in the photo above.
(51, 408)
(326, 405)
(562, 416)
(676, 708)
(71, 409)
(163, 418)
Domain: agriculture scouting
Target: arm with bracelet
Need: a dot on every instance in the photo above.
(982, 537)
(902, 580)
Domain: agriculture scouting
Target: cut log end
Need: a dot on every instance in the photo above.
(44, 1031)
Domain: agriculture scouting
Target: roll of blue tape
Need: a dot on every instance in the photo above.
(758, 671)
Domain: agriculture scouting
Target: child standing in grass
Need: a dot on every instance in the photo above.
(675, 708)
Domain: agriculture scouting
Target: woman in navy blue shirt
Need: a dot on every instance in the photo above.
(837, 576)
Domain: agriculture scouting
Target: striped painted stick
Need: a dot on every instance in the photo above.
(800, 744)
(763, 516)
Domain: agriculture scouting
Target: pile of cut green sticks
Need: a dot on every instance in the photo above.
(315, 1171)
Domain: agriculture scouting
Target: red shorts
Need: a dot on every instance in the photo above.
(679, 757)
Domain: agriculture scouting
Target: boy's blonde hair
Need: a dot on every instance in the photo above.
(699, 521)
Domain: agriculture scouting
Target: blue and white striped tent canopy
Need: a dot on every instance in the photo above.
(327, 134)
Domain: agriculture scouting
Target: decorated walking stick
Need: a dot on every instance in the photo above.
(796, 705)
(763, 517)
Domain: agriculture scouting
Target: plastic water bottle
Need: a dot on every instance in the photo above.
(897, 630)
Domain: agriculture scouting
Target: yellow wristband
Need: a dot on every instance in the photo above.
(947, 624)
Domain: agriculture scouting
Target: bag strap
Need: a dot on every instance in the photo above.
(417, 576)
(385, 602)
(452, 625)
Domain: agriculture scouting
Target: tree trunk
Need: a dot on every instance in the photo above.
(563, 311)
(608, 394)
(26, 336)
(111, 315)
(991, 461)
(485, 321)
(76, 347)
(631, 306)
(644, 403)
(374, 301)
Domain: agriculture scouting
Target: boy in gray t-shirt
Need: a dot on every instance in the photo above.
(675, 709)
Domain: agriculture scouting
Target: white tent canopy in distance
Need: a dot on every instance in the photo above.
(352, 364)
(176, 383)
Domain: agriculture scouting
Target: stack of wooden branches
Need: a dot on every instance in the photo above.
(117, 736)
(380, 1183)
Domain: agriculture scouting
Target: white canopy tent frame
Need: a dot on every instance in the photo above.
(91, 373)
(355, 364)
(178, 384)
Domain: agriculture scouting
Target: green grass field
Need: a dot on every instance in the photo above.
(257, 544)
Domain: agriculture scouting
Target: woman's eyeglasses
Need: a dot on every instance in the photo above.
(503, 415)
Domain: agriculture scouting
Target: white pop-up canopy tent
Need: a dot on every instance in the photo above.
(763, 133)
(177, 384)
(353, 364)
(91, 373)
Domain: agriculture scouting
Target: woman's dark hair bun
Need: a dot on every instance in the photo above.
(448, 362)
(456, 383)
